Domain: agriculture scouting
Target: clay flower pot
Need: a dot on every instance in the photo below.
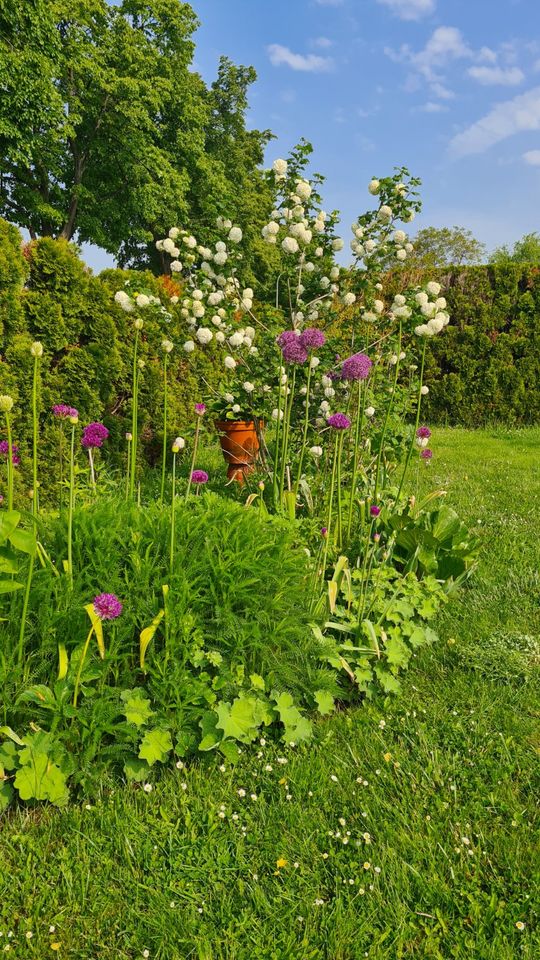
(240, 446)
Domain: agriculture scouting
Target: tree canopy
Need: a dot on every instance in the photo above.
(446, 246)
(526, 250)
(108, 135)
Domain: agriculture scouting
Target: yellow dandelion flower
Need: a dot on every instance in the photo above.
(520, 925)
(281, 863)
(55, 946)
(387, 757)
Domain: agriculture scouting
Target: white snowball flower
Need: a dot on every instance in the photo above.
(440, 303)
(142, 300)
(198, 310)
(324, 407)
(236, 339)
(220, 336)
(422, 330)
(334, 273)
(167, 346)
(369, 411)
(401, 254)
(197, 295)
(421, 298)
(316, 452)
(424, 391)
(204, 335)
(246, 305)
(248, 387)
(319, 252)
(349, 299)
(385, 213)
(409, 247)
(235, 234)
(373, 187)
(190, 242)
(399, 300)
(400, 236)
(174, 299)
(303, 189)
(121, 296)
(189, 346)
(326, 381)
(229, 397)
(220, 258)
(168, 245)
(309, 267)
(369, 246)
(215, 298)
(176, 266)
(236, 408)
(314, 362)
(359, 233)
(173, 233)
(280, 168)
(277, 414)
(378, 306)
(337, 244)
(290, 245)
(400, 188)
(230, 363)
(250, 332)
(325, 282)
(329, 392)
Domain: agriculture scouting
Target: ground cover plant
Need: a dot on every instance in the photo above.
(403, 830)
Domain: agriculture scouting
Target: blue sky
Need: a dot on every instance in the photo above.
(450, 88)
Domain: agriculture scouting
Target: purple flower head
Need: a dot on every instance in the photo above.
(424, 433)
(199, 476)
(356, 367)
(426, 454)
(4, 449)
(107, 606)
(339, 421)
(94, 435)
(294, 352)
(288, 336)
(374, 510)
(324, 531)
(312, 338)
(63, 412)
(200, 409)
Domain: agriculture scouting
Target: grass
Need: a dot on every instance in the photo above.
(405, 832)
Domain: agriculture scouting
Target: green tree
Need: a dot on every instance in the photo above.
(107, 135)
(526, 250)
(446, 246)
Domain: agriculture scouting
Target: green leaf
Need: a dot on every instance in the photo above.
(324, 701)
(257, 682)
(296, 726)
(137, 708)
(9, 520)
(388, 682)
(136, 770)
(446, 525)
(9, 562)
(210, 736)
(186, 743)
(156, 746)
(6, 794)
(241, 719)
(8, 586)
(9, 755)
(147, 635)
(397, 652)
(41, 695)
(41, 779)
(24, 540)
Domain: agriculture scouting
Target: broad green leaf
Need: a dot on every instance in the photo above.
(324, 701)
(257, 682)
(9, 755)
(210, 735)
(230, 750)
(388, 682)
(8, 586)
(147, 636)
(62, 662)
(8, 732)
(241, 719)
(296, 726)
(186, 743)
(397, 652)
(9, 562)
(24, 540)
(41, 695)
(136, 770)
(155, 746)
(6, 794)
(446, 525)
(41, 779)
(98, 628)
(9, 520)
(137, 707)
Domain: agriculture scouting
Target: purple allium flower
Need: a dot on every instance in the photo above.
(424, 433)
(426, 454)
(294, 352)
(4, 449)
(324, 531)
(339, 421)
(107, 606)
(200, 409)
(94, 435)
(356, 367)
(312, 338)
(62, 411)
(199, 476)
(288, 336)
(374, 510)
(376, 537)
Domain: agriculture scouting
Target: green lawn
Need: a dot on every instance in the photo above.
(410, 832)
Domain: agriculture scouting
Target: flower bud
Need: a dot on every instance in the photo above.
(6, 403)
(36, 349)
(167, 346)
(138, 323)
(178, 445)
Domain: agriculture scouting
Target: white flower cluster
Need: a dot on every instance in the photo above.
(434, 310)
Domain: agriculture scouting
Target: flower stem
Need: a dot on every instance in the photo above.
(164, 453)
(92, 471)
(80, 667)
(386, 418)
(330, 505)
(304, 436)
(194, 457)
(71, 504)
(417, 421)
(128, 471)
(9, 463)
(173, 517)
(286, 433)
(339, 537)
(357, 435)
(134, 420)
(35, 504)
(25, 609)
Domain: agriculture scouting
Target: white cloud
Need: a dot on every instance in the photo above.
(532, 157)
(322, 42)
(410, 9)
(432, 107)
(489, 76)
(330, 3)
(310, 62)
(505, 120)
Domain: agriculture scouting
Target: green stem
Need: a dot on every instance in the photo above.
(330, 505)
(173, 516)
(362, 390)
(164, 453)
(387, 415)
(278, 431)
(35, 505)
(194, 457)
(9, 463)
(305, 433)
(71, 504)
(339, 491)
(417, 421)
(286, 432)
(128, 471)
(81, 665)
(134, 420)
(25, 610)
(61, 467)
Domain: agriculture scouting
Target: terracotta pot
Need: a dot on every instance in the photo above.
(240, 446)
